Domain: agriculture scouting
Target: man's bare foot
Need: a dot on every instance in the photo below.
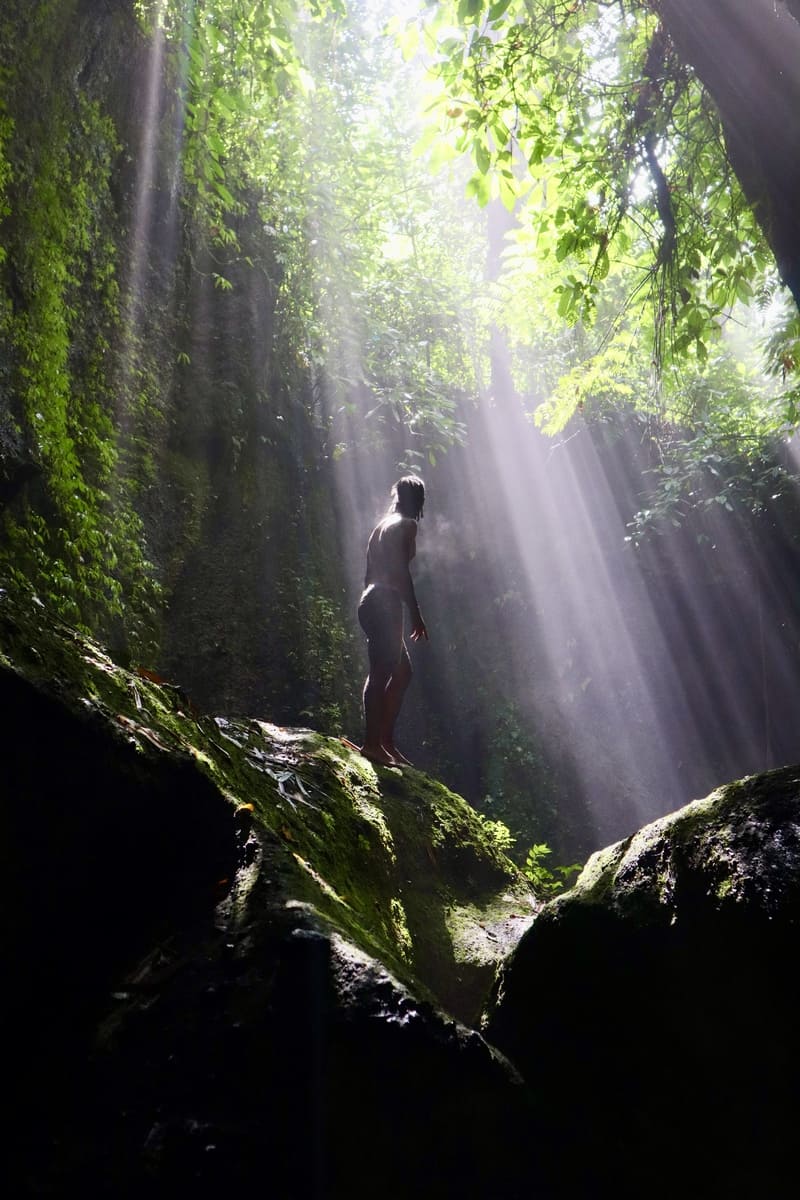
(378, 755)
(398, 755)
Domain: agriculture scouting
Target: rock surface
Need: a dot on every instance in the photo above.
(241, 956)
(655, 1005)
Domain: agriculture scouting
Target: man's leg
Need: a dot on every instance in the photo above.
(381, 617)
(375, 690)
(392, 702)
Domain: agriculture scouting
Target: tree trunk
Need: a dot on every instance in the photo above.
(747, 54)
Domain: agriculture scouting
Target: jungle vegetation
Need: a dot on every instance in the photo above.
(280, 243)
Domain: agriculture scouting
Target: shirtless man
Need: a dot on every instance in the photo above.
(387, 586)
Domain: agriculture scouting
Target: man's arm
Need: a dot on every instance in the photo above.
(418, 629)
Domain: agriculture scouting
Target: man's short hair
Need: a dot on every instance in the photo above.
(409, 496)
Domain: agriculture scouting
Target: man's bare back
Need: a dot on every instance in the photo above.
(387, 587)
(391, 547)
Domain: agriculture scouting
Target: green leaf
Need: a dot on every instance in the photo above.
(479, 187)
(224, 194)
(565, 301)
(508, 193)
(498, 8)
(483, 159)
(468, 9)
(565, 245)
(602, 265)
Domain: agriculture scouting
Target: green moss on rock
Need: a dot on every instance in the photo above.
(727, 849)
(399, 865)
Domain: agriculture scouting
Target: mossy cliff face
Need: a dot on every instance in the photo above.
(657, 1002)
(163, 463)
(265, 942)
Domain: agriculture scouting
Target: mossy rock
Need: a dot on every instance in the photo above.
(656, 1002)
(255, 937)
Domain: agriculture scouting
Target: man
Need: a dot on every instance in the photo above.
(387, 587)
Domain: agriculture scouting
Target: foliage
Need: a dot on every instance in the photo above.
(320, 652)
(545, 882)
(81, 545)
(497, 832)
(515, 762)
(382, 275)
(630, 247)
(581, 118)
(713, 464)
(238, 60)
(781, 350)
(267, 96)
(375, 283)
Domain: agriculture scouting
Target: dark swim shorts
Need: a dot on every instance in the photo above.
(380, 615)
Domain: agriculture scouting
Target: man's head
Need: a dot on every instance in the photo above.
(409, 496)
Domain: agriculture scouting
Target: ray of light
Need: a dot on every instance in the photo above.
(641, 680)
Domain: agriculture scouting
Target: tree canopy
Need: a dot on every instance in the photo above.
(590, 121)
(614, 133)
(642, 235)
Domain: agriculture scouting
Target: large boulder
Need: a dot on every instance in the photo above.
(653, 1010)
(238, 954)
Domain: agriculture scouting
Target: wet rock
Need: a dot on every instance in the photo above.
(233, 950)
(655, 1005)
(289, 1057)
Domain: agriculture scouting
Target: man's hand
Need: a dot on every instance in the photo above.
(418, 630)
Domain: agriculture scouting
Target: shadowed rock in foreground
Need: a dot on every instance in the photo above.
(655, 1006)
(238, 955)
